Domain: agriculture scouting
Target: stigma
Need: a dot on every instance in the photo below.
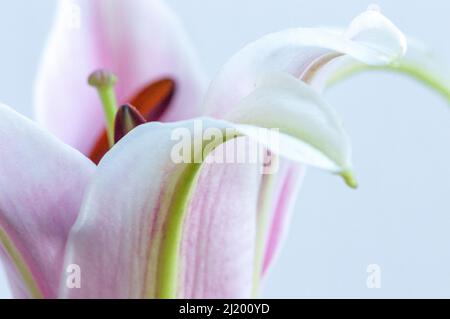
(102, 78)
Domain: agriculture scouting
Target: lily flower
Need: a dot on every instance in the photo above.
(139, 224)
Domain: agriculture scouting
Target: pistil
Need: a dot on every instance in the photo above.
(104, 81)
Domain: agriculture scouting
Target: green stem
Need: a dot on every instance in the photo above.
(421, 74)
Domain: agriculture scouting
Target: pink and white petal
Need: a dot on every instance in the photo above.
(219, 238)
(302, 52)
(289, 181)
(310, 131)
(140, 40)
(120, 238)
(17, 285)
(42, 182)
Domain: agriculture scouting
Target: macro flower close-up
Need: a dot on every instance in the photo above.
(136, 170)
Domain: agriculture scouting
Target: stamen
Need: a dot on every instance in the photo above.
(127, 118)
(153, 100)
(104, 81)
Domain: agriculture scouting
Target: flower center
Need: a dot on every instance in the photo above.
(148, 104)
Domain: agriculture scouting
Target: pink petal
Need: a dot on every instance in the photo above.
(284, 197)
(140, 40)
(119, 237)
(41, 183)
(17, 285)
(219, 237)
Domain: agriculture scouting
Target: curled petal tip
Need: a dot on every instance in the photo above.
(372, 29)
(102, 78)
(349, 179)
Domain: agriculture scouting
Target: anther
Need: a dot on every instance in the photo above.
(127, 118)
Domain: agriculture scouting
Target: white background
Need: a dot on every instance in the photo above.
(399, 218)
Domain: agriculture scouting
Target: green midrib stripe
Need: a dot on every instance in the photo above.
(21, 266)
(169, 259)
(403, 67)
(265, 198)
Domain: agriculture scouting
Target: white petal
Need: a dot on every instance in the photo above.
(299, 51)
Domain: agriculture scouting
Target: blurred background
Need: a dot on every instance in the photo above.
(398, 219)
